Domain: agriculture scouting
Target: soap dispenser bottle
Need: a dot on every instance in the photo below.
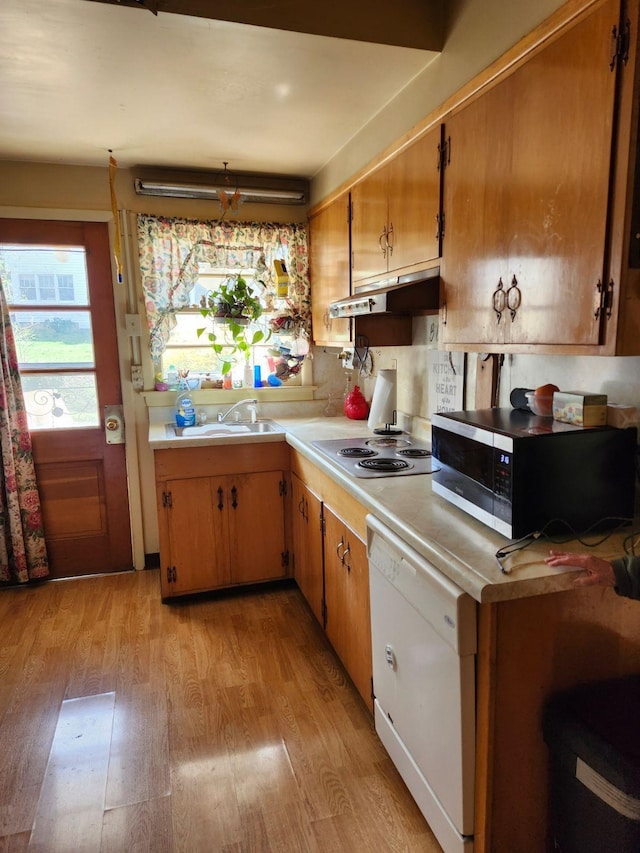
(185, 410)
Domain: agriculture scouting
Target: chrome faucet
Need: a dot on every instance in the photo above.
(251, 405)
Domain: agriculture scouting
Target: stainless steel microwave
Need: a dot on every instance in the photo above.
(520, 474)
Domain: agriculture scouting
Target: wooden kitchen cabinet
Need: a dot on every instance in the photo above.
(348, 615)
(395, 211)
(345, 608)
(329, 269)
(526, 193)
(306, 529)
(225, 528)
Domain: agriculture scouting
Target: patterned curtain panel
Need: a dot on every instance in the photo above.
(23, 554)
(171, 250)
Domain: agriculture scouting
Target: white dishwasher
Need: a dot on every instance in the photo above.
(423, 630)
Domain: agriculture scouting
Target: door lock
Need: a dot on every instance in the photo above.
(113, 425)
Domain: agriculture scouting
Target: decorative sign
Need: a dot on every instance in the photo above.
(446, 381)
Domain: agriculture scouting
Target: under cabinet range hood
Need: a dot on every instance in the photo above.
(405, 294)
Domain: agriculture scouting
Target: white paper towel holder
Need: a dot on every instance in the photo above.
(383, 404)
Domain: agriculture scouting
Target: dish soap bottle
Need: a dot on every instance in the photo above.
(185, 410)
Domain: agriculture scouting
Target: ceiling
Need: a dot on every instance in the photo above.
(78, 78)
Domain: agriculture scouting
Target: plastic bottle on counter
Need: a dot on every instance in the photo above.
(185, 410)
(172, 378)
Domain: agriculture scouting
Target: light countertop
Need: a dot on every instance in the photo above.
(461, 547)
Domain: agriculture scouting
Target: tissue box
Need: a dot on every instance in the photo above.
(580, 408)
(621, 415)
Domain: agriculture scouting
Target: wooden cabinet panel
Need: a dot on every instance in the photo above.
(369, 223)
(560, 182)
(220, 529)
(256, 526)
(196, 556)
(526, 197)
(348, 619)
(308, 545)
(475, 242)
(395, 211)
(329, 267)
(414, 202)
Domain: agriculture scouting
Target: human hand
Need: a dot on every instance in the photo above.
(597, 570)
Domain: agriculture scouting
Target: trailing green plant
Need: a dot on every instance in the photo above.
(231, 309)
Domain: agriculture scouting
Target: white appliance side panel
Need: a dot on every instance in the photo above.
(447, 835)
(449, 610)
(428, 691)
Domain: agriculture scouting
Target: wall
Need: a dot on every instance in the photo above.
(478, 32)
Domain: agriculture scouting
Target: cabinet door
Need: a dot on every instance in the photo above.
(358, 660)
(197, 556)
(329, 260)
(414, 203)
(255, 510)
(526, 197)
(308, 544)
(369, 224)
(348, 620)
(475, 244)
(559, 183)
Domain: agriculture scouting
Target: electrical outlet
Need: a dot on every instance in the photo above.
(137, 380)
(348, 361)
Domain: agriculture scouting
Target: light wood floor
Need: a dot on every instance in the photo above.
(223, 724)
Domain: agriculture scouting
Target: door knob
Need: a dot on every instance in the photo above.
(113, 425)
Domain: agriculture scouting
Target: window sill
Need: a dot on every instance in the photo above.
(215, 395)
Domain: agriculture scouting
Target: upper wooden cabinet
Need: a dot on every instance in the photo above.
(527, 201)
(395, 211)
(330, 277)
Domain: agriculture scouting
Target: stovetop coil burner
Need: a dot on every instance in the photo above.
(414, 453)
(384, 464)
(388, 442)
(356, 452)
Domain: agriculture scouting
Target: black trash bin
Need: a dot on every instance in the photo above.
(593, 735)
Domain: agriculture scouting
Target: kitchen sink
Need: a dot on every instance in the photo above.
(217, 430)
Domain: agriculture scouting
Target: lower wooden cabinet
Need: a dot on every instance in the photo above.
(331, 568)
(348, 616)
(219, 529)
(306, 529)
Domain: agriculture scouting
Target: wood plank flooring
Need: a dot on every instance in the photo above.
(220, 724)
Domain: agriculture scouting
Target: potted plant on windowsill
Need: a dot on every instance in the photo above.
(231, 310)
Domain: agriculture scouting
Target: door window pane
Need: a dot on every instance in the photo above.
(61, 400)
(27, 269)
(55, 347)
(53, 339)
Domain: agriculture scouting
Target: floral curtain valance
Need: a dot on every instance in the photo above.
(171, 251)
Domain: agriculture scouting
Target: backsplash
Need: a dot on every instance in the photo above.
(617, 377)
